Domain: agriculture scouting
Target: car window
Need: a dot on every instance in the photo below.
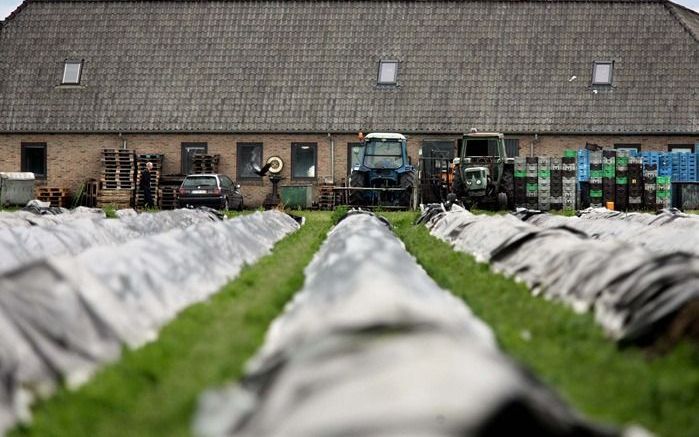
(199, 181)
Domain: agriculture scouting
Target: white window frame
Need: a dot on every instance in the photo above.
(68, 62)
(383, 62)
(611, 72)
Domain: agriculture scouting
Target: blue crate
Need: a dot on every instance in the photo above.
(583, 165)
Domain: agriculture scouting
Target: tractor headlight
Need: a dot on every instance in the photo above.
(478, 182)
(468, 182)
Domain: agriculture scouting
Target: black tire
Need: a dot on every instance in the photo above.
(407, 183)
(240, 205)
(457, 186)
(507, 186)
(357, 180)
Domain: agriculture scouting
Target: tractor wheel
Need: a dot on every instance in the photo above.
(457, 186)
(508, 187)
(407, 183)
(357, 180)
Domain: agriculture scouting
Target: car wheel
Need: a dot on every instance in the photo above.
(240, 205)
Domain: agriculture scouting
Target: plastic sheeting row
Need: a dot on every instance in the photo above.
(56, 215)
(632, 290)
(372, 346)
(63, 317)
(667, 232)
(21, 245)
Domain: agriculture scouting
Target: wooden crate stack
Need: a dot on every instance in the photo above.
(58, 197)
(167, 192)
(90, 193)
(157, 161)
(205, 164)
(118, 178)
(326, 197)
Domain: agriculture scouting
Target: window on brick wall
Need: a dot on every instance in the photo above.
(682, 148)
(354, 155)
(304, 160)
(628, 147)
(34, 159)
(512, 147)
(249, 159)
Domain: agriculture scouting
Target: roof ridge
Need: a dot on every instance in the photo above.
(681, 14)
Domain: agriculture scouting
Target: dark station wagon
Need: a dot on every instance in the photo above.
(213, 190)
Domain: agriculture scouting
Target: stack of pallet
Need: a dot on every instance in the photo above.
(118, 176)
(90, 194)
(326, 197)
(205, 164)
(58, 197)
(167, 191)
(141, 161)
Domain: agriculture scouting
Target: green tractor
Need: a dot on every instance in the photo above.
(483, 174)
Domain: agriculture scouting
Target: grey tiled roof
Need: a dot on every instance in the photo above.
(311, 66)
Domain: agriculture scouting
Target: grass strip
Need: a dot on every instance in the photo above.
(566, 350)
(153, 391)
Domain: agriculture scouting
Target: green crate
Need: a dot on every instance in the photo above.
(568, 153)
(532, 187)
(622, 181)
(595, 193)
(622, 161)
(662, 194)
(596, 174)
(520, 173)
(609, 174)
(545, 174)
(662, 180)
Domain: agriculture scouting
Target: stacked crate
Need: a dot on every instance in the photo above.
(568, 179)
(91, 190)
(167, 191)
(520, 190)
(141, 161)
(532, 182)
(684, 167)
(118, 178)
(635, 180)
(544, 183)
(596, 173)
(608, 176)
(202, 164)
(556, 183)
(621, 194)
(650, 175)
(663, 197)
(57, 197)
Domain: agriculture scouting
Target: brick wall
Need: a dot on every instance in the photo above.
(74, 158)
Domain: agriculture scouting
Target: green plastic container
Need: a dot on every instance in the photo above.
(595, 173)
(295, 197)
(545, 174)
(568, 153)
(622, 181)
(662, 194)
(520, 173)
(595, 193)
(532, 187)
(663, 180)
(622, 161)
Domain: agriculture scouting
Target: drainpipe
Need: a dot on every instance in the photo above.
(123, 141)
(332, 158)
(531, 145)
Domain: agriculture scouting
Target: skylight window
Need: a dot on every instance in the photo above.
(71, 72)
(388, 72)
(602, 73)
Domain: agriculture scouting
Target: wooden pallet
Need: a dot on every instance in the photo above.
(116, 198)
(326, 197)
(57, 196)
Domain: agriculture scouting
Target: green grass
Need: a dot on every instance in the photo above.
(567, 350)
(153, 391)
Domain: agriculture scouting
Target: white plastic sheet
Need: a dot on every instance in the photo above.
(63, 317)
(632, 290)
(371, 346)
(58, 215)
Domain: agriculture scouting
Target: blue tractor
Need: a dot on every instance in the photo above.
(384, 176)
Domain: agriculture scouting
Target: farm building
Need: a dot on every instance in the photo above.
(250, 80)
